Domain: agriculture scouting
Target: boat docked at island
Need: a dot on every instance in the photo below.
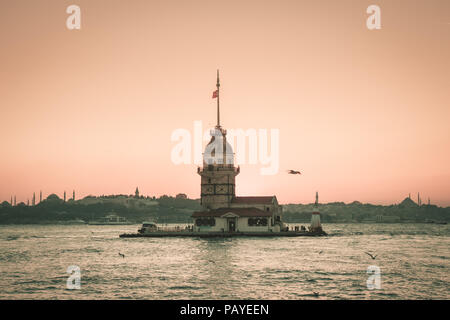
(148, 227)
(111, 219)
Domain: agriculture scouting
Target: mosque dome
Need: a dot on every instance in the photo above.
(218, 150)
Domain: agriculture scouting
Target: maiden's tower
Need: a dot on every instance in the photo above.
(223, 211)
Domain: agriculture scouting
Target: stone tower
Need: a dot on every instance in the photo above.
(218, 172)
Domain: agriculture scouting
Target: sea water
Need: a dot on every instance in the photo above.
(413, 262)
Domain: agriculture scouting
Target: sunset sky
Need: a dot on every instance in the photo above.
(363, 114)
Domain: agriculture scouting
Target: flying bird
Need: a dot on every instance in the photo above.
(294, 172)
(122, 255)
(371, 255)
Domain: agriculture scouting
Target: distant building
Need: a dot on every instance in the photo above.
(53, 197)
(387, 219)
(181, 196)
(407, 202)
(136, 193)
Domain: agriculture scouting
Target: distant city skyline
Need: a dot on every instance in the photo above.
(363, 114)
(137, 193)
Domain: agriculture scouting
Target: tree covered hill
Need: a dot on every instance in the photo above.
(406, 211)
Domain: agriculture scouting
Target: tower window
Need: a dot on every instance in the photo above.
(209, 180)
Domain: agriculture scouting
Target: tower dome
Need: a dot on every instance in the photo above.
(218, 150)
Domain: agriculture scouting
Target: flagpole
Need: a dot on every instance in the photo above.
(218, 97)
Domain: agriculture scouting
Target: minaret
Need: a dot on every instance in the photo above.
(73, 195)
(315, 217)
(428, 200)
(33, 202)
(14, 200)
(11, 201)
(218, 172)
(64, 195)
(136, 193)
(28, 202)
(40, 196)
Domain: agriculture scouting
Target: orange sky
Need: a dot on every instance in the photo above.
(363, 114)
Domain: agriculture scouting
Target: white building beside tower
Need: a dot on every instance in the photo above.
(223, 211)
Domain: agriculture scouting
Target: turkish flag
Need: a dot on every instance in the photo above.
(215, 94)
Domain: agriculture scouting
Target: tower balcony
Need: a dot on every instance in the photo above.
(218, 132)
(220, 168)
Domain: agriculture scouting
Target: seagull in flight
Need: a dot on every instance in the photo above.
(294, 172)
(371, 255)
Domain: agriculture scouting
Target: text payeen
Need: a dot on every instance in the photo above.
(246, 309)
